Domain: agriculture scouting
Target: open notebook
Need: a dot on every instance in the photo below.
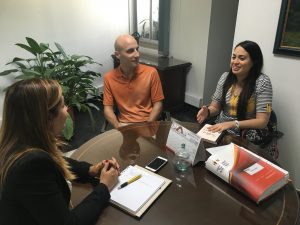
(136, 197)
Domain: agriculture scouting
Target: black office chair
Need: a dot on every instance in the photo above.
(269, 142)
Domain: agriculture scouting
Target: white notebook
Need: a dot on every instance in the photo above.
(136, 194)
(209, 136)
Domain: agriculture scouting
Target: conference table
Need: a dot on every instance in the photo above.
(195, 196)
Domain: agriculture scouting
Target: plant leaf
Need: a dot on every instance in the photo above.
(34, 45)
(44, 46)
(62, 51)
(16, 59)
(21, 65)
(6, 72)
(28, 72)
(24, 77)
(68, 131)
(75, 57)
(27, 48)
(91, 105)
(78, 105)
(48, 73)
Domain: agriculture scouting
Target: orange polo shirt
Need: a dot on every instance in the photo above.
(133, 97)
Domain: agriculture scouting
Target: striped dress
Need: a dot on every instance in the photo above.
(260, 101)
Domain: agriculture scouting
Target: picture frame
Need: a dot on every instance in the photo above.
(287, 41)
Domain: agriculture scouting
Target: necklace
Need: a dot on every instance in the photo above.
(236, 90)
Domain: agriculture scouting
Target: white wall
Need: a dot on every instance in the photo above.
(81, 26)
(220, 40)
(189, 29)
(257, 20)
(208, 48)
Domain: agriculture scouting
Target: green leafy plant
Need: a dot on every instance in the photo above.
(69, 128)
(70, 70)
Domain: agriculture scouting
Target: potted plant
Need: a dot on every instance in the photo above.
(70, 71)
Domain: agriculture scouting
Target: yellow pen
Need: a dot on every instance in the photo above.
(130, 181)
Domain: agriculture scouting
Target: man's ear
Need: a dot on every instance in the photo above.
(117, 54)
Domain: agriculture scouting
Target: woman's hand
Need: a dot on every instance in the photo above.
(95, 170)
(113, 163)
(202, 114)
(219, 127)
(109, 175)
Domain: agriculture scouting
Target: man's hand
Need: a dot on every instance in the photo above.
(156, 110)
(110, 116)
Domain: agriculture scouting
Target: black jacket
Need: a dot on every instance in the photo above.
(36, 193)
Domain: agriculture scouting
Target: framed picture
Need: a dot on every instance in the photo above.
(287, 40)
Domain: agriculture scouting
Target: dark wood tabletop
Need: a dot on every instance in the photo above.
(196, 196)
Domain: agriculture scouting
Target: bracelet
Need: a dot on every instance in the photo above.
(237, 124)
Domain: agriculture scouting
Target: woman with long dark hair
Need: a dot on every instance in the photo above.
(35, 179)
(243, 97)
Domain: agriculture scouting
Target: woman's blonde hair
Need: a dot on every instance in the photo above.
(29, 108)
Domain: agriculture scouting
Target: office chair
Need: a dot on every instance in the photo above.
(271, 143)
(270, 136)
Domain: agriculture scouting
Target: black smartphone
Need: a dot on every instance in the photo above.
(156, 164)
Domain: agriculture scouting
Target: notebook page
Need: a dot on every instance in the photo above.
(135, 195)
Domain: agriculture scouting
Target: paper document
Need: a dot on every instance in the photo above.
(179, 135)
(136, 194)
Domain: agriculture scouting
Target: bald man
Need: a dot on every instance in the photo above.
(135, 88)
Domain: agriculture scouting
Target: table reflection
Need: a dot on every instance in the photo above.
(130, 148)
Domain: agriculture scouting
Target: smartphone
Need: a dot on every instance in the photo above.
(156, 164)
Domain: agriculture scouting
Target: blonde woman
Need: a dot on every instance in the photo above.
(34, 177)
